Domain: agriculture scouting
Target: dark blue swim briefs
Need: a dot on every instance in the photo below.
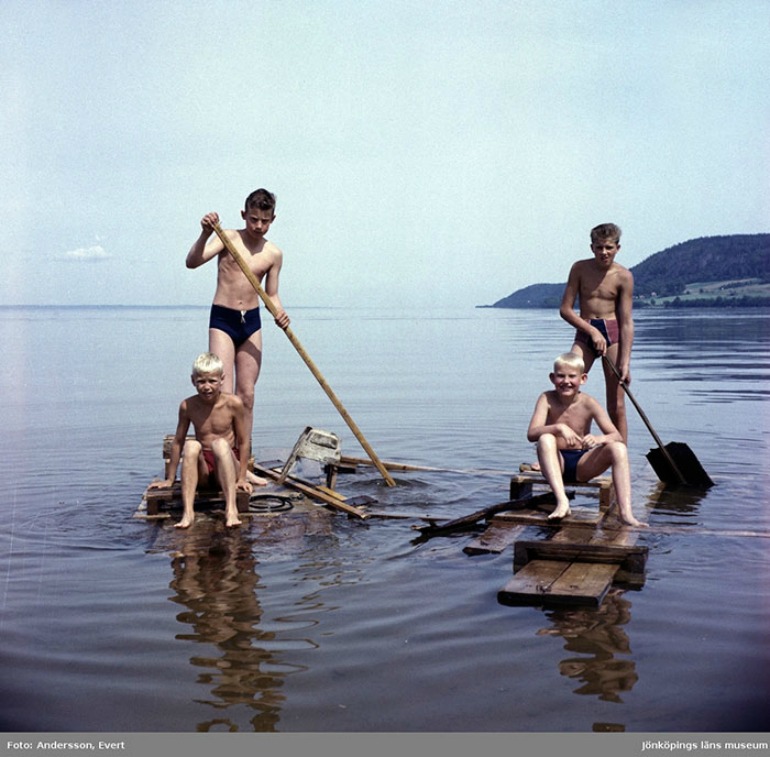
(239, 325)
(571, 457)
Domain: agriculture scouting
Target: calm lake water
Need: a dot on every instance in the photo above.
(110, 624)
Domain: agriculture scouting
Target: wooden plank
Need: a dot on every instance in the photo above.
(631, 558)
(558, 583)
(494, 540)
(467, 521)
(584, 584)
(534, 518)
(336, 501)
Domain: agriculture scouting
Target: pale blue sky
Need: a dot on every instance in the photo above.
(422, 152)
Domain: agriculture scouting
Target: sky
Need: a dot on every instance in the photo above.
(423, 153)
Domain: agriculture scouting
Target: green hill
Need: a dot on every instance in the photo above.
(731, 270)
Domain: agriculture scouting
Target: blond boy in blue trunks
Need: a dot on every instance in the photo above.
(567, 450)
(605, 324)
(235, 325)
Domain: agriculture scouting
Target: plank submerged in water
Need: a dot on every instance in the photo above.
(556, 582)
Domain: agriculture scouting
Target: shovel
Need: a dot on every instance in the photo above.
(675, 463)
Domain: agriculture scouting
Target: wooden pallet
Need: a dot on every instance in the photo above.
(576, 567)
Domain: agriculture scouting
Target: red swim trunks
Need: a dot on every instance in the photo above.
(211, 461)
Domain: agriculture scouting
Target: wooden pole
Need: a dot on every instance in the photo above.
(303, 354)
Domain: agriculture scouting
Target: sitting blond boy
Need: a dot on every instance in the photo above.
(567, 450)
(221, 448)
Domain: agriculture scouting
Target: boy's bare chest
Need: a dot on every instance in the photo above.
(572, 415)
(599, 286)
(258, 263)
(209, 422)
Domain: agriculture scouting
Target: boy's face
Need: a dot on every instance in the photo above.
(257, 221)
(208, 385)
(604, 251)
(567, 380)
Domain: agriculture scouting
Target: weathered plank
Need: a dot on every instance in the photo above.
(534, 518)
(631, 558)
(320, 494)
(494, 540)
(525, 504)
(553, 582)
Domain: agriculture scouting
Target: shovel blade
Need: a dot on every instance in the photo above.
(684, 459)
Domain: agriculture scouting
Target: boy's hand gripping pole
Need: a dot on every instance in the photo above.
(310, 364)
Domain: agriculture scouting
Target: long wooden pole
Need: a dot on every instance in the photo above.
(303, 354)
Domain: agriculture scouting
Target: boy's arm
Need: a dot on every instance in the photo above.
(202, 250)
(609, 431)
(175, 455)
(571, 290)
(624, 313)
(271, 289)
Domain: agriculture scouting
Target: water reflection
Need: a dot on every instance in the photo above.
(598, 636)
(216, 582)
(681, 500)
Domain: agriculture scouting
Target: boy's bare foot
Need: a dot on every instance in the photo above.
(561, 511)
(255, 480)
(631, 521)
(233, 521)
(185, 522)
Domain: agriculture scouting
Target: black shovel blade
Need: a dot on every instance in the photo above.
(684, 458)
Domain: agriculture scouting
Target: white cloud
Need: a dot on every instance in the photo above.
(91, 254)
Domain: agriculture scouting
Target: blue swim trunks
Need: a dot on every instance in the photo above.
(571, 458)
(239, 325)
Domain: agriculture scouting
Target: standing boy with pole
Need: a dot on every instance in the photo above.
(235, 323)
(605, 325)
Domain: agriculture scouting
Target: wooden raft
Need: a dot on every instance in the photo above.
(580, 558)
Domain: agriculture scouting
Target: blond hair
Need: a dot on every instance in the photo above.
(570, 360)
(207, 362)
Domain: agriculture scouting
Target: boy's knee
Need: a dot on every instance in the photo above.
(220, 447)
(192, 448)
(546, 442)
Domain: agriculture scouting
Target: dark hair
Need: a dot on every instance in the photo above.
(260, 199)
(605, 231)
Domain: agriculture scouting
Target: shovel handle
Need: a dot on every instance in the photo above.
(647, 423)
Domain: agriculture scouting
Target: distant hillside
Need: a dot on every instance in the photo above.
(723, 270)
